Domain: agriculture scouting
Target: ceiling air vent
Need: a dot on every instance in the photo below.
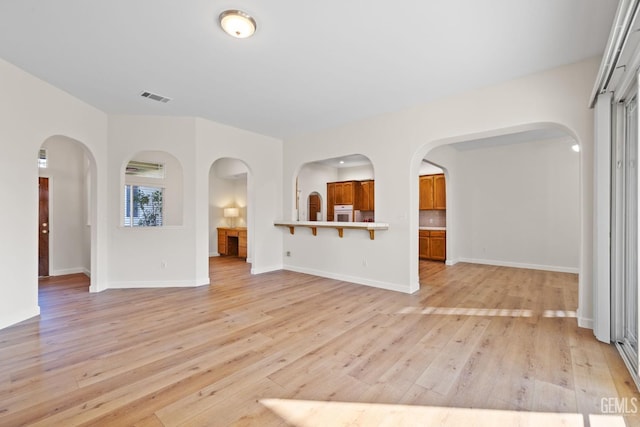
(155, 97)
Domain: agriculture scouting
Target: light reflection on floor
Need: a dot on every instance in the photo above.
(306, 413)
(559, 313)
(461, 311)
(488, 312)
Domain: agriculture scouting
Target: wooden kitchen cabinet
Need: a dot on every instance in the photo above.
(342, 193)
(232, 241)
(345, 192)
(432, 192)
(365, 198)
(433, 245)
(424, 244)
(438, 245)
(331, 199)
(439, 192)
(426, 192)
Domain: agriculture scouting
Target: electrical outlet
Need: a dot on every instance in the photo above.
(364, 262)
(163, 264)
(288, 253)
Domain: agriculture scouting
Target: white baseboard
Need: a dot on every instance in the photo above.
(14, 318)
(584, 322)
(557, 269)
(65, 271)
(203, 281)
(213, 254)
(451, 262)
(265, 269)
(353, 279)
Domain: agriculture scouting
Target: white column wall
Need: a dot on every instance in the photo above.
(263, 157)
(151, 256)
(30, 112)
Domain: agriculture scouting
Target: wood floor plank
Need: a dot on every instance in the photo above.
(448, 365)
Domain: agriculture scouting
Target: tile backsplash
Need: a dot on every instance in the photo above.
(433, 218)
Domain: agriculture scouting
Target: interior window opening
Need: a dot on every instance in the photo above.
(338, 189)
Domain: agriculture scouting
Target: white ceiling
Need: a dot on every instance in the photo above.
(350, 161)
(311, 64)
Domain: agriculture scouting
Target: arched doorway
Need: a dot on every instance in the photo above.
(67, 208)
(513, 198)
(230, 213)
(314, 207)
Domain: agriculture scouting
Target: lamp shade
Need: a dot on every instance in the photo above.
(231, 212)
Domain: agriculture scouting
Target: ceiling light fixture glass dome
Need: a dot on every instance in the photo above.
(237, 23)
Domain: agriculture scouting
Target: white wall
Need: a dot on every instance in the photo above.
(314, 177)
(429, 169)
(518, 205)
(151, 256)
(397, 142)
(356, 173)
(68, 206)
(30, 112)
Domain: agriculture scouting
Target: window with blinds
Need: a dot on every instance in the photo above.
(142, 206)
(42, 158)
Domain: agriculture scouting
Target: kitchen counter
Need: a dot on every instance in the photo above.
(371, 227)
(433, 228)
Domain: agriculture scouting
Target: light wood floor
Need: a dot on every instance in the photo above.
(284, 348)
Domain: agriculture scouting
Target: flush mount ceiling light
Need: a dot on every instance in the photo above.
(237, 23)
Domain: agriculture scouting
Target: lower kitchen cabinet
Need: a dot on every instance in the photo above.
(433, 245)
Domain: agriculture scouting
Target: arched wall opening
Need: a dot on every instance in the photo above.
(433, 211)
(513, 197)
(158, 176)
(68, 169)
(230, 207)
(314, 207)
(313, 177)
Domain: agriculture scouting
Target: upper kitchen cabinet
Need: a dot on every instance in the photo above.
(426, 192)
(433, 192)
(365, 200)
(439, 192)
(345, 193)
